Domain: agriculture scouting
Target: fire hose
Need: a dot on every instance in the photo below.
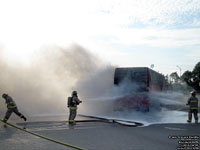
(44, 137)
(100, 119)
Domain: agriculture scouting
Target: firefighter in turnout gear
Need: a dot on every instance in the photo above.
(193, 104)
(72, 104)
(12, 107)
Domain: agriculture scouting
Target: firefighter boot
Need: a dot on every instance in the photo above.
(196, 121)
(23, 117)
(189, 121)
(5, 120)
(72, 122)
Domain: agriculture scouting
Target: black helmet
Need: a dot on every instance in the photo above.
(4, 95)
(193, 92)
(74, 93)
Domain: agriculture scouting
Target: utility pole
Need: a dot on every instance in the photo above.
(179, 69)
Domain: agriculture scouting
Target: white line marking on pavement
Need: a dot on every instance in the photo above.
(174, 128)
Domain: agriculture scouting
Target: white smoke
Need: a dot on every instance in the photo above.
(101, 96)
(43, 86)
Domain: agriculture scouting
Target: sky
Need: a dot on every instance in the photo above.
(126, 33)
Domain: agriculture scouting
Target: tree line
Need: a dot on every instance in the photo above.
(191, 78)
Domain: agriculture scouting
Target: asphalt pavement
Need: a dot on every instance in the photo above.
(98, 135)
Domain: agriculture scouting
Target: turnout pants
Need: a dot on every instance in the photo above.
(195, 113)
(10, 111)
(72, 115)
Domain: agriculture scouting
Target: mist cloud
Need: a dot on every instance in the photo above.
(43, 86)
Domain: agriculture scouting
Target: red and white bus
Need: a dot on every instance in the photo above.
(137, 82)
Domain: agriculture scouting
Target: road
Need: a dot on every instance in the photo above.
(97, 135)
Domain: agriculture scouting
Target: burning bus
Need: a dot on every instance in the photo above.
(137, 82)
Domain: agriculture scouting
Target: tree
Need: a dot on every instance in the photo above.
(196, 70)
(174, 76)
(193, 78)
(187, 75)
(196, 77)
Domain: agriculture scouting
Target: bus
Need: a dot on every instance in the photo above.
(138, 82)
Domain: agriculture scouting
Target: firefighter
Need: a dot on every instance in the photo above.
(193, 104)
(12, 107)
(72, 104)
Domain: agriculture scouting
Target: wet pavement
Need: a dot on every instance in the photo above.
(96, 135)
